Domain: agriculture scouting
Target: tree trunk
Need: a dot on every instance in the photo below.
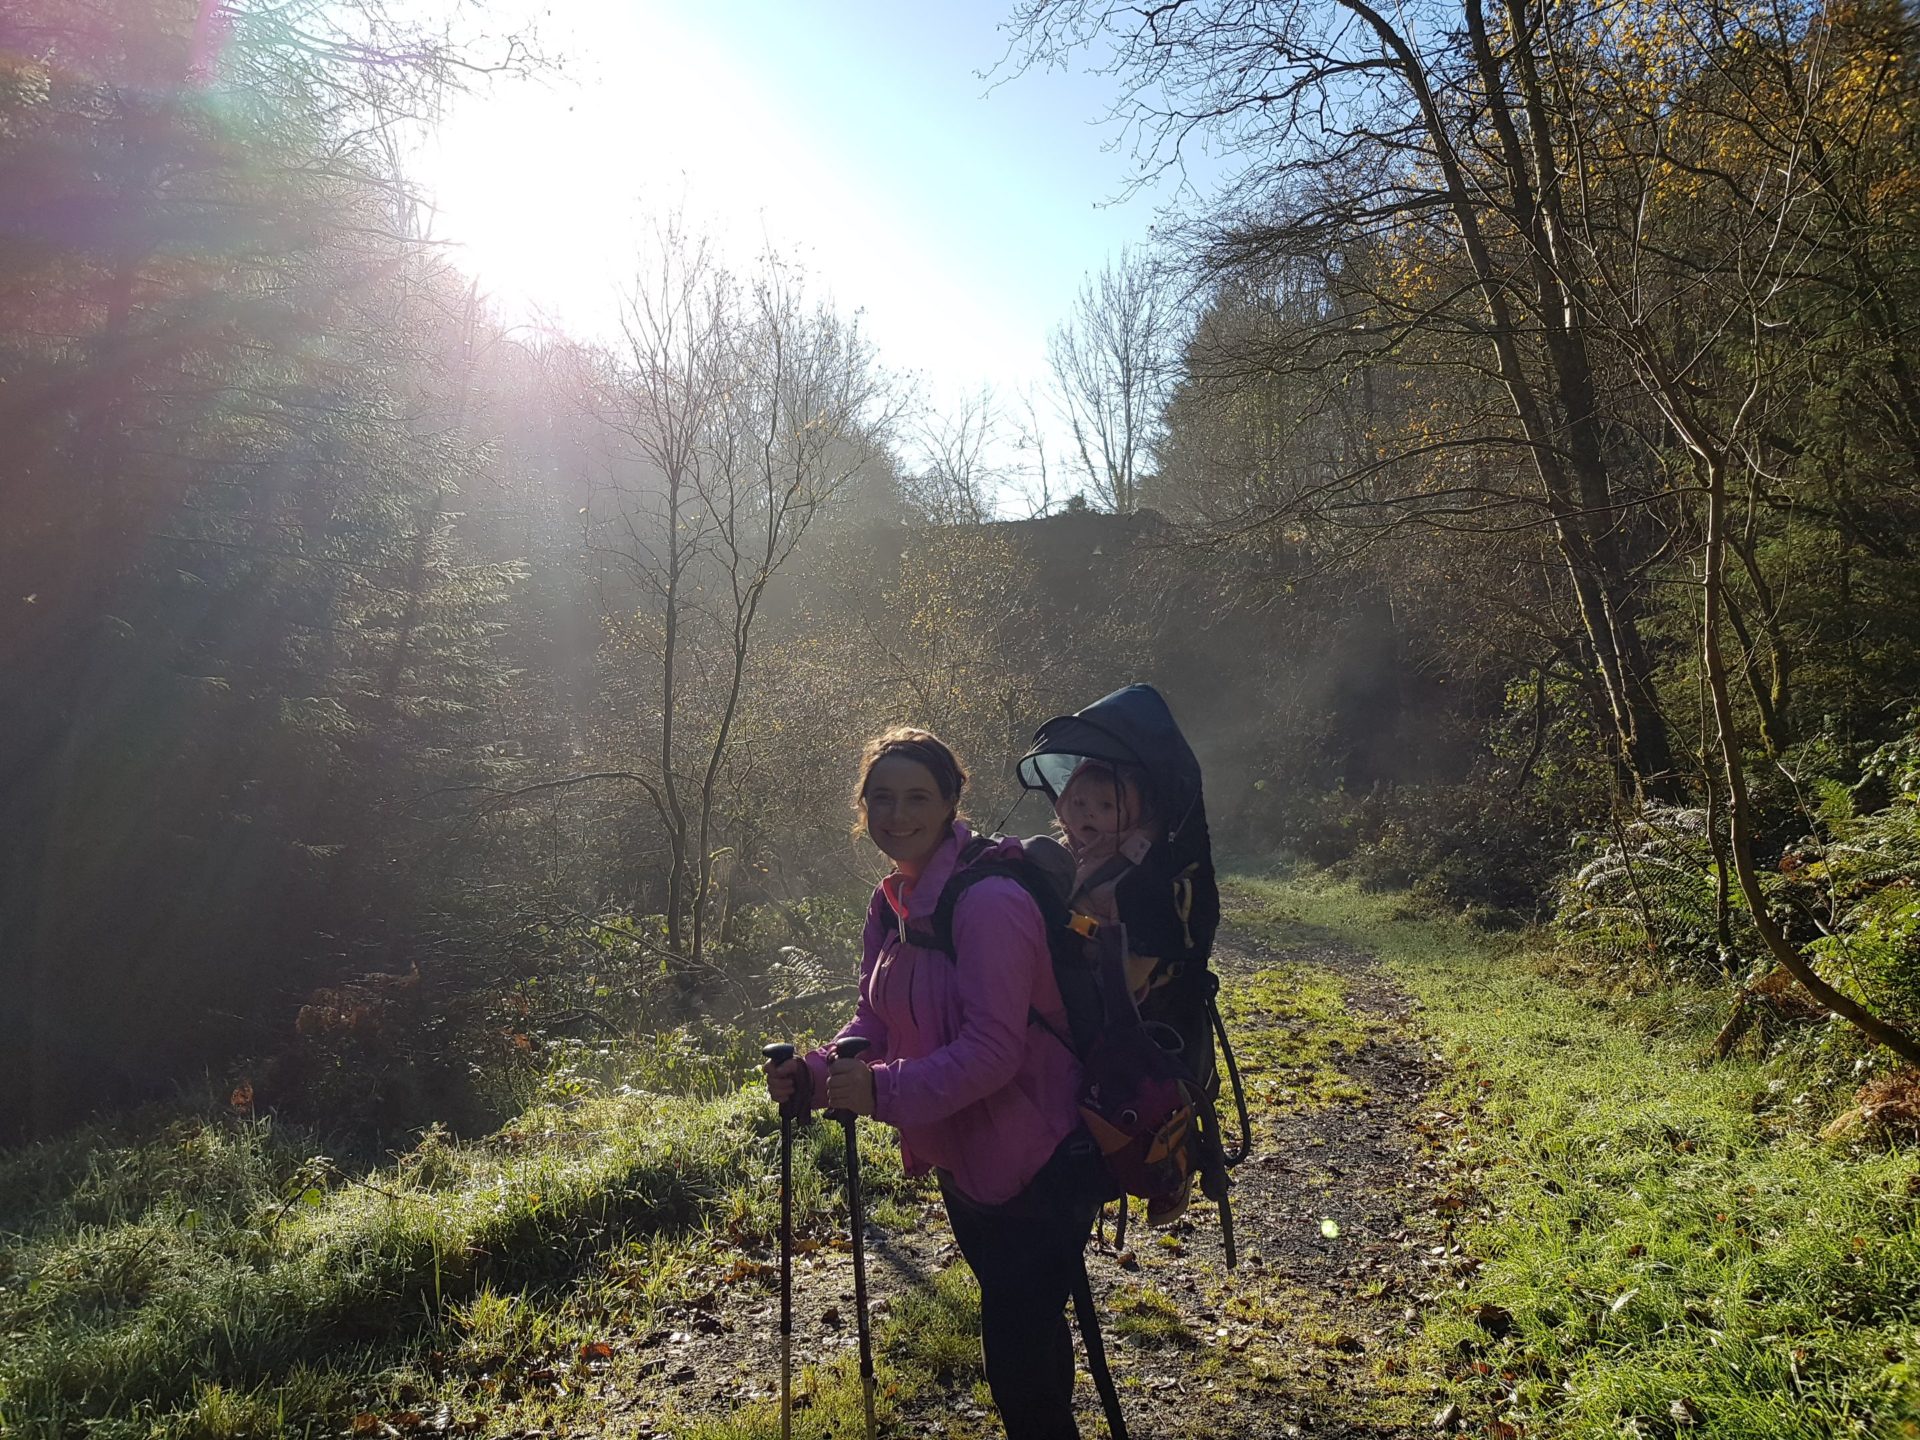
(1739, 806)
(1601, 590)
(670, 787)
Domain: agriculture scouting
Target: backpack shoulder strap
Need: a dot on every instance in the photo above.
(1053, 912)
(1054, 916)
(1113, 869)
(963, 876)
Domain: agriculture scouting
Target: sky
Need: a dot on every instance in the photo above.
(957, 213)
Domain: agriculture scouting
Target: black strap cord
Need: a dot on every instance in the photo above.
(1233, 1076)
(1214, 1183)
(1096, 1349)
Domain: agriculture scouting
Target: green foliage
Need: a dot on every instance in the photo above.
(140, 1271)
(1447, 844)
(1647, 1229)
(1665, 873)
(1861, 878)
(1646, 902)
(256, 622)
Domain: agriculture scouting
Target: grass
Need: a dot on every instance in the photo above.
(200, 1275)
(930, 1343)
(1142, 1315)
(1303, 1024)
(1630, 1241)
(1651, 1246)
(187, 1275)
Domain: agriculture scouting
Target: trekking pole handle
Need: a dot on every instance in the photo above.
(796, 1107)
(849, 1048)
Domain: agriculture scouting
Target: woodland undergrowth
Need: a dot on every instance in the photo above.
(1660, 1243)
(1665, 1243)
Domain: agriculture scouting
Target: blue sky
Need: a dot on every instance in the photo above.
(958, 213)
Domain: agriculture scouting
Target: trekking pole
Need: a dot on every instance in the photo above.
(779, 1055)
(848, 1049)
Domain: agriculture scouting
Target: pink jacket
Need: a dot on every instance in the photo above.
(971, 1084)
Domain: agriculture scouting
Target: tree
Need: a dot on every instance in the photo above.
(1385, 141)
(1111, 361)
(1695, 244)
(747, 408)
(952, 478)
(240, 619)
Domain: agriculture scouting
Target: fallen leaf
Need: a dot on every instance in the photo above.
(1496, 1320)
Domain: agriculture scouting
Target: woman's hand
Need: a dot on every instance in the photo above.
(784, 1081)
(850, 1086)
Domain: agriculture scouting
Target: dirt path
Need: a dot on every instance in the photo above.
(1338, 1236)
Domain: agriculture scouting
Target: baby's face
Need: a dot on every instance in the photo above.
(1095, 808)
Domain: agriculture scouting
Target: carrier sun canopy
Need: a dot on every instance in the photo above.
(1132, 726)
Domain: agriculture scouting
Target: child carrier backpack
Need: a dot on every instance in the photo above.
(1151, 1119)
(1149, 1082)
(1149, 1114)
(1148, 1078)
(1169, 909)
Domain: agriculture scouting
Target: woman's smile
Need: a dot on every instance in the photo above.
(907, 817)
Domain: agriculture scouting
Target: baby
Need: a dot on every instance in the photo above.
(1109, 827)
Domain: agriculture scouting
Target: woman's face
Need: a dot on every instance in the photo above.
(906, 815)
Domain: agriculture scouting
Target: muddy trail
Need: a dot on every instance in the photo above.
(1339, 1212)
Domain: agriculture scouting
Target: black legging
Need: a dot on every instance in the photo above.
(1026, 1255)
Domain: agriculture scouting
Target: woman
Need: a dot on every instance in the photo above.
(978, 1093)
